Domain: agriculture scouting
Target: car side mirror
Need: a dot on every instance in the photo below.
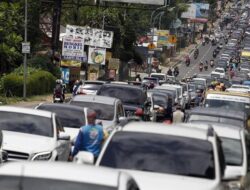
(84, 157)
(120, 119)
(156, 107)
(63, 137)
(4, 156)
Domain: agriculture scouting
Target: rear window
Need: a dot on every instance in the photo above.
(26, 123)
(125, 94)
(68, 117)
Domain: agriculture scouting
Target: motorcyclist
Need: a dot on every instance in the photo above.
(59, 90)
(212, 63)
(206, 65)
(138, 78)
(170, 73)
(201, 66)
(187, 60)
(176, 71)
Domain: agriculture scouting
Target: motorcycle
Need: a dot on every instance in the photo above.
(201, 68)
(203, 42)
(58, 98)
(205, 67)
(212, 63)
(214, 54)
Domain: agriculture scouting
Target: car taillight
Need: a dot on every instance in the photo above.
(139, 112)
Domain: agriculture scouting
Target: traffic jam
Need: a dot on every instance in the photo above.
(160, 131)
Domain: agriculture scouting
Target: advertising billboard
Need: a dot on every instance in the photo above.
(97, 56)
(196, 11)
(145, 2)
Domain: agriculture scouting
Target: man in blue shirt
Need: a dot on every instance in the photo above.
(90, 137)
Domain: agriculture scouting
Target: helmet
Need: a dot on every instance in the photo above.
(58, 81)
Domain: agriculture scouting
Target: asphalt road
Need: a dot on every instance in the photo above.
(205, 53)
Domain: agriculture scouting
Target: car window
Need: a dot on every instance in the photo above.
(59, 126)
(161, 154)
(126, 95)
(103, 111)
(71, 118)
(120, 111)
(26, 123)
(132, 185)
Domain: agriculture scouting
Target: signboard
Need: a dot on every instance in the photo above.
(172, 39)
(93, 72)
(114, 64)
(91, 36)
(112, 74)
(196, 10)
(162, 37)
(74, 73)
(245, 53)
(26, 47)
(73, 48)
(70, 63)
(146, 2)
(81, 59)
(65, 75)
(96, 56)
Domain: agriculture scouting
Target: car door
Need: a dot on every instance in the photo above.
(119, 111)
(62, 146)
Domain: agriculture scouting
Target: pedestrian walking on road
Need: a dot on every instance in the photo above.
(90, 137)
(178, 115)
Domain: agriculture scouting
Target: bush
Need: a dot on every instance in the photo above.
(38, 83)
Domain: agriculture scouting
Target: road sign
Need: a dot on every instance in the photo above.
(172, 39)
(151, 46)
(26, 47)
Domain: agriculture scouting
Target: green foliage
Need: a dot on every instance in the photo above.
(43, 62)
(38, 82)
(10, 38)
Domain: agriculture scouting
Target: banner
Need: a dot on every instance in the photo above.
(65, 75)
(73, 48)
(93, 72)
(70, 63)
(96, 56)
(196, 11)
(145, 2)
(91, 36)
(163, 36)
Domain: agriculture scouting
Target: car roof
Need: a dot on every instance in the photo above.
(62, 106)
(228, 93)
(160, 128)
(220, 112)
(222, 130)
(122, 86)
(56, 170)
(28, 111)
(95, 99)
(94, 82)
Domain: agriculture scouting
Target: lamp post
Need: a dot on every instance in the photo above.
(25, 54)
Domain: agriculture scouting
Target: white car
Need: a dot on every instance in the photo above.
(219, 71)
(62, 176)
(161, 76)
(238, 90)
(33, 135)
(240, 86)
(235, 144)
(108, 109)
(158, 156)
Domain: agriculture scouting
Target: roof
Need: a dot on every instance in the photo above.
(56, 170)
(95, 99)
(222, 130)
(228, 93)
(160, 128)
(220, 112)
(62, 106)
(29, 111)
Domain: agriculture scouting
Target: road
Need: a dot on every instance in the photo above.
(205, 53)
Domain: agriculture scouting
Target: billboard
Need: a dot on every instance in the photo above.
(146, 2)
(196, 11)
(162, 38)
(97, 56)
(65, 75)
(73, 48)
(91, 36)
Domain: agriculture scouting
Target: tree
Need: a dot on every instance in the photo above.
(10, 37)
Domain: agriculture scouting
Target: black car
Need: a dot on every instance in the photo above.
(132, 97)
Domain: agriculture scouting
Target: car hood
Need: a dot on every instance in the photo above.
(27, 143)
(149, 181)
(234, 172)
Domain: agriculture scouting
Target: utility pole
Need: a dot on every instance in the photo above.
(25, 54)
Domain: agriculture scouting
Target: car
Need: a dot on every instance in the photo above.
(219, 71)
(235, 144)
(150, 80)
(31, 134)
(109, 110)
(161, 77)
(218, 115)
(62, 176)
(90, 87)
(160, 156)
(173, 91)
(133, 98)
(71, 117)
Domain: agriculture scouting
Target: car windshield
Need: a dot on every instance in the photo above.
(160, 100)
(199, 82)
(239, 106)
(209, 118)
(103, 111)
(126, 95)
(68, 117)
(160, 77)
(219, 71)
(92, 86)
(146, 80)
(26, 123)
(161, 154)
(233, 151)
